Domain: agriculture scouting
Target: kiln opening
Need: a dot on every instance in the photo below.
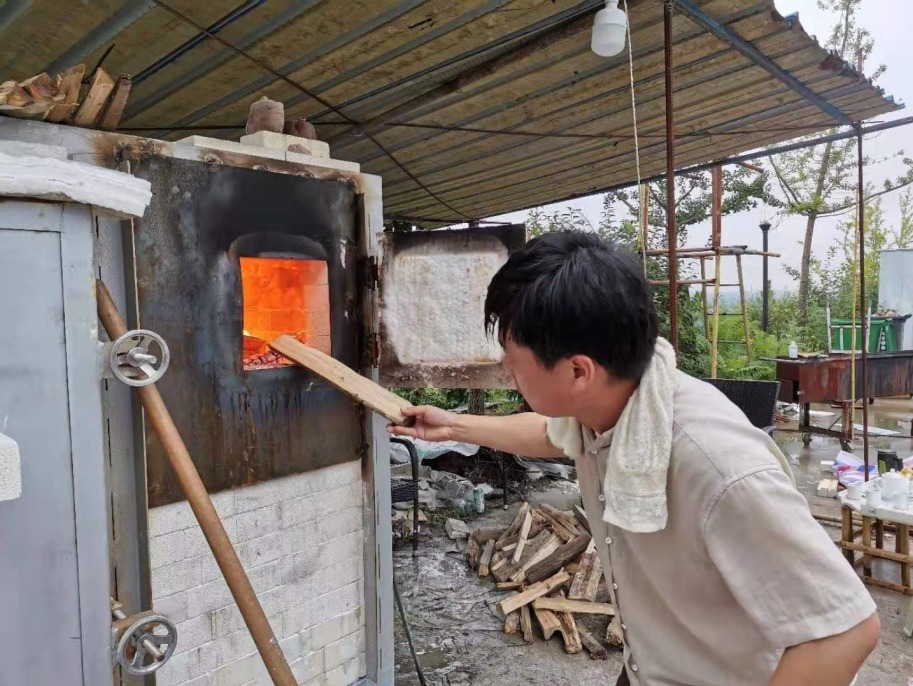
(283, 296)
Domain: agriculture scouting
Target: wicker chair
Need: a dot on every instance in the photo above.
(404, 490)
(757, 399)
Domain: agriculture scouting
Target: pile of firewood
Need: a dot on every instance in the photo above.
(549, 558)
(64, 99)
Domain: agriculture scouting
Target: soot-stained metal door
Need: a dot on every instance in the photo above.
(241, 424)
(432, 287)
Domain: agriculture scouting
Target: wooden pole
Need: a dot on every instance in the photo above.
(226, 557)
(671, 233)
(704, 297)
(864, 353)
(716, 216)
(738, 261)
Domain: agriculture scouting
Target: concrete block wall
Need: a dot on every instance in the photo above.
(300, 539)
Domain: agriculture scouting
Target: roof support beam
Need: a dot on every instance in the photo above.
(757, 57)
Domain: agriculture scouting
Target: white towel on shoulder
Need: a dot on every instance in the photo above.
(635, 480)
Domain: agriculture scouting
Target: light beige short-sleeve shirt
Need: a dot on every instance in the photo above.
(740, 573)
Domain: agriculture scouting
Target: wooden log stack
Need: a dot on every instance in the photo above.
(548, 558)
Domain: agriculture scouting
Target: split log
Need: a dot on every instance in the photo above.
(537, 528)
(486, 559)
(532, 547)
(514, 525)
(551, 547)
(512, 622)
(558, 527)
(596, 650)
(96, 97)
(613, 634)
(69, 84)
(42, 88)
(548, 620)
(509, 585)
(537, 590)
(521, 542)
(565, 518)
(586, 580)
(487, 533)
(581, 607)
(473, 553)
(497, 564)
(526, 623)
(569, 633)
(565, 554)
(117, 103)
(582, 519)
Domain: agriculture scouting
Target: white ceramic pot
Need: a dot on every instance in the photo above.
(893, 483)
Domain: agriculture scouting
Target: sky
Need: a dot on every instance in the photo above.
(884, 19)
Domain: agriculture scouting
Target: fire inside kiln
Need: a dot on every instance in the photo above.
(283, 296)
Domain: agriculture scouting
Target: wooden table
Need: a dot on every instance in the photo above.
(827, 379)
(869, 540)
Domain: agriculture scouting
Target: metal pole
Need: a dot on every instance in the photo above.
(671, 233)
(765, 290)
(862, 302)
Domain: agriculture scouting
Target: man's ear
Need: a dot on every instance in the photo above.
(584, 369)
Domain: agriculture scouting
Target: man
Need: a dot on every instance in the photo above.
(719, 573)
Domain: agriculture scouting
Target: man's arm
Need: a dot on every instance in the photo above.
(831, 661)
(520, 434)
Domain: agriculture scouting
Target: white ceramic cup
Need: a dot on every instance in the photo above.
(854, 490)
(873, 497)
(901, 500)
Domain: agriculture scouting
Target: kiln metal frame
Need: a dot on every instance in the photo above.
(124, 449)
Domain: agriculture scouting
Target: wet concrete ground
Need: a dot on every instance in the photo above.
(458, 633)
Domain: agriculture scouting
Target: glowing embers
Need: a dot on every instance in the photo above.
(283, 296)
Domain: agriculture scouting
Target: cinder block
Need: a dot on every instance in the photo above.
(271, 492)
(305, 536)
(341, 523)
(256, 523)
(175, 578)
(193, 633)
(237, 673)
(281, 141)
(10, 469)
(308, 667)
(228, 648)
(344, 650)
(335, 628)
(291, 647)
(174, 607)
(167, 518)
(176, 546)
(181, 668)
(208, 597)
(258, 551)
(336, 677)
(355, 669)
(302, 617)
(338, 475)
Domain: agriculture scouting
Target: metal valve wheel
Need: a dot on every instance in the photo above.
(139, 357)
(144, 642)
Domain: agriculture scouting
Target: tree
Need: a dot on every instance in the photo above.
(903, 235)
(820, 181)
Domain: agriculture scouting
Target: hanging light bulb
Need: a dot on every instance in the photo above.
(609, 30)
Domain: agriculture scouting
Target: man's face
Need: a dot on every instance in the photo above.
(550, 392)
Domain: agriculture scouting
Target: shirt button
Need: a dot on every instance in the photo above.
(634, 668)
(624, 627)
(608, 540)
(601, 498)
(614, 587)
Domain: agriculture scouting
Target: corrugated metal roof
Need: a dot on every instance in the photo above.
(368, 57)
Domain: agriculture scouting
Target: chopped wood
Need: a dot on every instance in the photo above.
(117, 103)
(532, 547)
(524, 532)
(560, 557)
(514, 525)
(582, 607)
(96, 97)
(473, 553)
(14, 95)
(526, 623)
(566, 518)
(569, 632)
(613, 634)
(537, 590)
(456, 528)
(572, 567)
(596, 650)
(537, 528)
(509, 585)
(558, 527)
(42, 88)
(509, 547)
(365, 391)
(497, 565)
(486, 533)
(548, 620)
(582, 519)
(586, 580)
(512, 622)
(486, 559)
(68, 86)
(552, 546)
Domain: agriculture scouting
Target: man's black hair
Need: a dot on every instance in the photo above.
(572, 293)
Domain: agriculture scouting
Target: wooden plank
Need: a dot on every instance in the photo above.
(596, 650)
(524, 532)
(537, 590)
(580, 607)
(881, 583)
(566, 553)
(872, 551)
(70, 82)
(99, 90)
(514, 525)
(903, 539)
(512, 622)
(486, 559)
(586, 580)
(552, 546)
(117, 103)
(363, 390)
(526, 623)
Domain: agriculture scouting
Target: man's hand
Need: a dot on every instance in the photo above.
(431, 424)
